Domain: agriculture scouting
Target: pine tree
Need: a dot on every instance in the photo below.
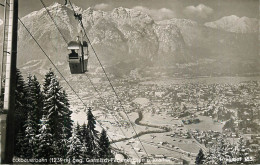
(241, 150)
(200, 157)
(84, 133)
(74, 147)
(53, 107)
(78, 131)
(33, 107)
(84, 139)
(45, 140)
(30, 134)
(56, 107)
(20, 103)
(221, 151)
(92, 144)
(19, 145)
(21, 114)
(63, 144)
(84, 152)
(104, 146)
(36, 98)
(67, 122)
(47, 80)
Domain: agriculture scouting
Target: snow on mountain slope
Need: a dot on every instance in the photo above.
(137, 28)
(122, 33)
(129, 36)
(235, 24)
(130, 28)
(43, 29)
(190, 30)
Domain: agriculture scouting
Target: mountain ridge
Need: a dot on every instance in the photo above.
(132, 36)
(235, 24)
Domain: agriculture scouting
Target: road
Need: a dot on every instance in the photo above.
(185, 155)
(196, 141)
(137, 122)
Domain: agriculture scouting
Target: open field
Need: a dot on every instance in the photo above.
(159, 119)
(206, 124)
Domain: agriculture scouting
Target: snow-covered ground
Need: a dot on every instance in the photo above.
(177, 147)
(159, 119)
(206, 124)
(142, 101)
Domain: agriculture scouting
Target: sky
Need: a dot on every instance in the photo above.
(198, 10)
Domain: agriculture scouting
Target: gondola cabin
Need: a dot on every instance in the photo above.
(78, 60)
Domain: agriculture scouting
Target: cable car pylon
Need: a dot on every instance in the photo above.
(7, 116)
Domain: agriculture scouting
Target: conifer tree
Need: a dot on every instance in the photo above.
(241, 150)
(56, 107)
(78, 130)
(45, 141)
(92, 144)
(47, 80)
(63, 144)
(34, 101)
(220, 151)
(104, 146)
(67, 122)
(19, 145)
(20, 114)
(84, 139)
(20, 103)
(30, 134)
(200, 157)
(37, 98)
(53, 108)
(84, 133)
(74, 147)
(33, 108)
(84, 152)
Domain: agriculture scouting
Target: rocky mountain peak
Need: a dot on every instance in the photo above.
(128, 35)
(131, 15)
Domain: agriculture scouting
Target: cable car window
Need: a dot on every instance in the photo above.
(73, 54)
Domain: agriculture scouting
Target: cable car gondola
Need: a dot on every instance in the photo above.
(78, 61)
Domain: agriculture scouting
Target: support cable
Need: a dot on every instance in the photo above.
(117, 96)
(59, 71)
(102, 99)
(54, 21)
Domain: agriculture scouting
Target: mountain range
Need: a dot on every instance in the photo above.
(129, 36)
(235, 24)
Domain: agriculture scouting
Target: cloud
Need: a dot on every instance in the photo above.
(102, 6)
(157, 14)
(200, 11)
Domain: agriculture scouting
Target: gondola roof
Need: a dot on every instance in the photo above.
(74, 45)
